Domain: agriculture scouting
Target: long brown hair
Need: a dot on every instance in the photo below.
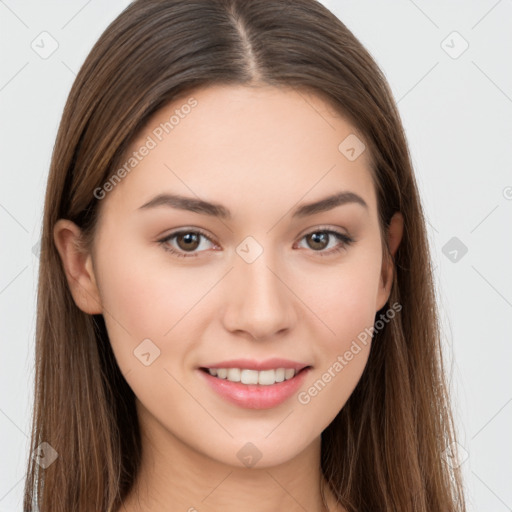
(383, 451)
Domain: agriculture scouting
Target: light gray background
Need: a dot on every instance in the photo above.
(457, 112)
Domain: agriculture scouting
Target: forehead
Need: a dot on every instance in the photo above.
(245, 145)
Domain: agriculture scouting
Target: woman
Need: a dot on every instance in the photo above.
(235, 306)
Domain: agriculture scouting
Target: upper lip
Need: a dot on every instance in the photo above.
(253, 364)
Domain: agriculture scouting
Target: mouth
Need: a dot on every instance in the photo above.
(254, 389)
(254, 377)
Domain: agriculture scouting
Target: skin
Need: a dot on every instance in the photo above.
(260, 152)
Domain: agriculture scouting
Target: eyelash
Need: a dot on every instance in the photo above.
(345, 239)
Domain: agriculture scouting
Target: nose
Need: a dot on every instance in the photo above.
(259, 302)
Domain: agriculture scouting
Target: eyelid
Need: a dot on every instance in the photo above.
(344, 240)
(335, 229)
(189, 229)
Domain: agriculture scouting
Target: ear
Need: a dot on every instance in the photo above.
(394, 234)
(78, 267)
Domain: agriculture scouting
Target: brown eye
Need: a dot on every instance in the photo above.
(318, 240)
(188, 241)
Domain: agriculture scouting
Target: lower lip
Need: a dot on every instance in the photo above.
(255, 396)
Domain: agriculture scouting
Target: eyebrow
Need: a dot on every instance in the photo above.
(217, 210)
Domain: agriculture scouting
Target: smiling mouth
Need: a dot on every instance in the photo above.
(254, 377)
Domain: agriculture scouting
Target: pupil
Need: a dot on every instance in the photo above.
(319, 238)
(189, 237)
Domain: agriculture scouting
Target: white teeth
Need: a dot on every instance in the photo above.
(245, 376)
(249, 377)
(289, 373)
(267, 377)
(234, 374)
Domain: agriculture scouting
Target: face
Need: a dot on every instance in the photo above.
(261, 282)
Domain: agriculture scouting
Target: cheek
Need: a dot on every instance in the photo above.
(345, 304)
(140, 300)
(144, 298)
(343, 297)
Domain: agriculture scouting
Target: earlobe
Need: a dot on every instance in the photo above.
(78, 267)
(394, 234)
